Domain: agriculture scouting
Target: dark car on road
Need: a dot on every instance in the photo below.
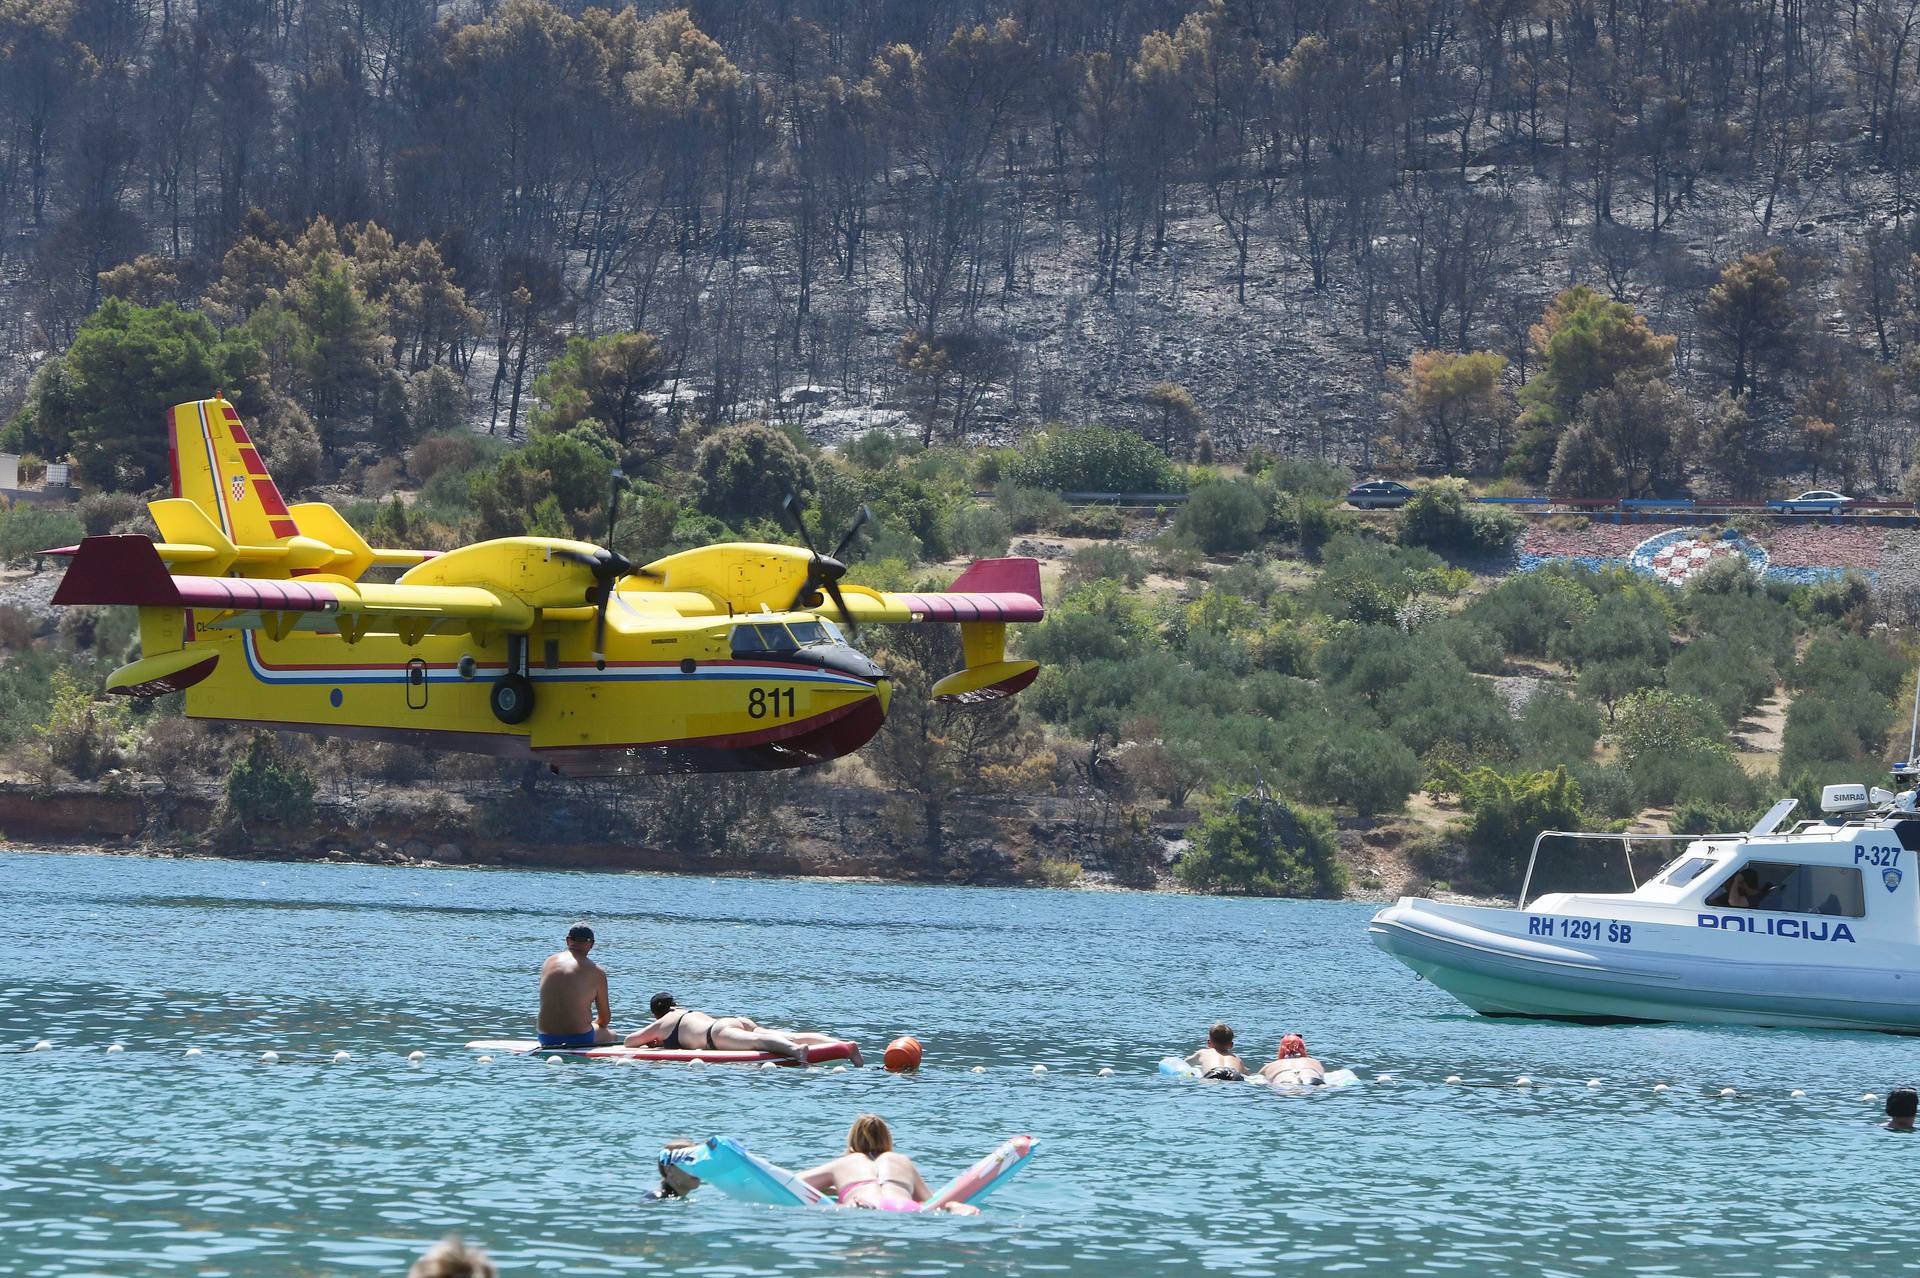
(1379, 494)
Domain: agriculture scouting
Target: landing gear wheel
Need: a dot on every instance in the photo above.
(511, 698)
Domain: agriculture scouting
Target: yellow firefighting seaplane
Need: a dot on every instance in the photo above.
(722, 658)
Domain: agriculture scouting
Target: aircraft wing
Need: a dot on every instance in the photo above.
(129, 570)
(989, 590)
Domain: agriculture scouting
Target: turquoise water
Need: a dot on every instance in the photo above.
(152, 1162)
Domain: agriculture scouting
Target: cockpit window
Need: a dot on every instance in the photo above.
(1687, 871)
(766, 637)
(808, 633)
(1793, 889)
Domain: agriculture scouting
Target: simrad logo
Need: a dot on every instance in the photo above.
(1800, 929)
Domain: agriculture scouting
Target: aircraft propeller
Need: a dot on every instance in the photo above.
(608, 567)
(824, 571)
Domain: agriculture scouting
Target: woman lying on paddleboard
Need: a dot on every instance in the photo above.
(679, 1028)
(1292, 1067)
(871, 1174)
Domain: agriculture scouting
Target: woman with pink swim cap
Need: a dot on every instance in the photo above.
(1292, 1067)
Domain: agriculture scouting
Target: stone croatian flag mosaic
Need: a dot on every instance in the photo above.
(1672, 553)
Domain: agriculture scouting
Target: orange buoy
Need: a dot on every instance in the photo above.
(902, 1054)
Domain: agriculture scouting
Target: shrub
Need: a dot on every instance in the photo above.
(1505, 813)
(1305, 476)
(980, 532)
(1608, 789)
(1696, 817)
(1091, 459)
(1700, 773)
(743, 472)
(1264, 847)
(1730, 677)
(268, 784)
(1108, 561)
(26, 530)
(1528, 610)
(878, 449)
(1366, 770)
(1441, 518)
(1554, 728)
(102, 513)
(1224, 516)
(1477, 647)
(1094, 521)
(1658, 720)
(1030, 509)
(81, 734)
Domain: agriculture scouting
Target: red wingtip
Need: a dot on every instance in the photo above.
(117, 570)
(1016, 575)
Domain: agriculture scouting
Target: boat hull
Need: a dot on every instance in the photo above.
(1483, 958)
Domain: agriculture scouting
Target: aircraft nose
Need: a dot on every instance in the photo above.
(883, 689)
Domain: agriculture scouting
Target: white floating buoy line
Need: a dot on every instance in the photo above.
(1106, 1071)
(44, 1045)
(114, 1049)
(269, 1057)
(341, 1058)
(554, 1060)
(416, 1057)
(1039, 1069)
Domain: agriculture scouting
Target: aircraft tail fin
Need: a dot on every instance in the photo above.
(217, 467)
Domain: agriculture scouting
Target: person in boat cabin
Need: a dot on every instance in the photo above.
(1216, 1059)
(1743, 891)
(677, 1028)
(675, 1180)
(1292, 1067)
(1902, 1103)
(574, 1011)
(874, 1175)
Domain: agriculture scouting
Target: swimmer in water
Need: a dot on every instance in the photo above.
(1902, 1103)
(675, 1180)
(571, 986)
(677, 1028)
(1216, 1060)
(1292, 1067)
(872, 1174)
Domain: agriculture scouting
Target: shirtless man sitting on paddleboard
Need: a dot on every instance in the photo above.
(677, 1028)
(571, 984)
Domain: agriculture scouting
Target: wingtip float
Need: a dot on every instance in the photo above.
(726, 657)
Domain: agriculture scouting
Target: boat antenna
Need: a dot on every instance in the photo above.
(1910, 769)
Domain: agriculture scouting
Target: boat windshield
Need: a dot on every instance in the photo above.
(1685, 870)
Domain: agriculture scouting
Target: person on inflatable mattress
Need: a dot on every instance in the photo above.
(874, 1175)
(1292, 1067)
(1216, 1060)
(677, 1028)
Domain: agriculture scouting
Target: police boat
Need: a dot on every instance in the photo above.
(1810, 925)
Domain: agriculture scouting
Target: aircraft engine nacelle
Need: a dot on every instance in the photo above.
(742, 576)
(526, 567)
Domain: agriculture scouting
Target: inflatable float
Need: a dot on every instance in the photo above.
(711, 1056)
(738, 1172)
(1175, 1067)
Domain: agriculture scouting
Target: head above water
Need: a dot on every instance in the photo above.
(1291, 1046)
(676, 1181)
(1221, 1036)
(579, 938)
(662, 1004)
(1903, 1102)
(869, 1135)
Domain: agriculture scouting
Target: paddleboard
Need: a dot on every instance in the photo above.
(738, 1172)
(1175, 1067)
(712, 1056)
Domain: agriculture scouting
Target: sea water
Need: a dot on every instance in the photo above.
(150, 1161)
